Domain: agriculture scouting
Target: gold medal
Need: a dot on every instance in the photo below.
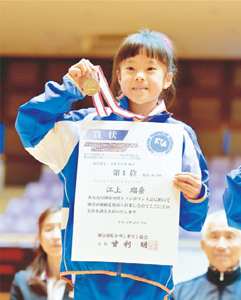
(91, 86)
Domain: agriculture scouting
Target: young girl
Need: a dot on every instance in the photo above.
(143, 72)
(41, 279)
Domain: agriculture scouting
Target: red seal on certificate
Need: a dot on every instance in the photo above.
(91, 86)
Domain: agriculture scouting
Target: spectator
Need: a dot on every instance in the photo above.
(41, 280)
(222, 245)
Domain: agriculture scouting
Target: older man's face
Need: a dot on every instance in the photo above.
(222, 245)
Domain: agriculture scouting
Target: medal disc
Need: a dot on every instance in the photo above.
(91, 86)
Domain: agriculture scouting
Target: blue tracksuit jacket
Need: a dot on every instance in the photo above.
(232, 198)
(50, 132)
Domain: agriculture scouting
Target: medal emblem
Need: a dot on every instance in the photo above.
(91, 86)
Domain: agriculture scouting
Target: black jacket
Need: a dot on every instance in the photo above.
(21, 290)
(209, 287)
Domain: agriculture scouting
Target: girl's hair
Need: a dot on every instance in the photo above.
(40, 262)
(155, 45)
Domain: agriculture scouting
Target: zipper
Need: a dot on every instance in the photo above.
(119, 269)
(63, 249)
(65, 186)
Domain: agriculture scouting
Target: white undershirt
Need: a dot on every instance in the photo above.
(54, 291)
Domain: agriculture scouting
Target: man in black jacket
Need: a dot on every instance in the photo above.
(222, 245)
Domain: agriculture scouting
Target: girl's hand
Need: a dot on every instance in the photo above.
(81, 71)
(189, 184)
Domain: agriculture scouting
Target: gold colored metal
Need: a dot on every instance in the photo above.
(91, 86)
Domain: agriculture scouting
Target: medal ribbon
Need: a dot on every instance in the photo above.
(109, 98)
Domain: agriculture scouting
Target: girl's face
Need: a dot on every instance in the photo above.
(50, 235)
(142, 79)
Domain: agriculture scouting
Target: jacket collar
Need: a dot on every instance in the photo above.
(223, 278)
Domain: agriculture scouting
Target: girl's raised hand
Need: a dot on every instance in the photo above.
(189, 184)
(81, 71)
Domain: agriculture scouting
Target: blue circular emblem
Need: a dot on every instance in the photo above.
(160, 143)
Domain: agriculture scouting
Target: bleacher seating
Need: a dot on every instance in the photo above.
(18, 226)
(21, 214)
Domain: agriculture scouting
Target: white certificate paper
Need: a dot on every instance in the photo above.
(126, 208)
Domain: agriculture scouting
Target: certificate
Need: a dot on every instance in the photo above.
(126, 208)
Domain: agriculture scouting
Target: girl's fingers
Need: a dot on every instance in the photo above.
(81, 71)
(184, 186)
(83, 68)
(75, 72)
(187, 175)
(189, 184)
(88, 66)
(188, 179)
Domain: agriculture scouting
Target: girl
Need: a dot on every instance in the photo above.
(41, 279)
(143, 71)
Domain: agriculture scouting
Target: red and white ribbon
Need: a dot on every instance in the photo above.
(110, 100)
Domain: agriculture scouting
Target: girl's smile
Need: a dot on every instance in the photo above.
(142, 79)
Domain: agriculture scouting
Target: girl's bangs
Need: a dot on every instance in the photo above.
(153, 51)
